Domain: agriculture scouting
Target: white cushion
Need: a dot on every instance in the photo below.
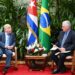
(69, 57)
(5, 55)
(44, 55)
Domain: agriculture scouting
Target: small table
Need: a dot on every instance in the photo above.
(36, 62)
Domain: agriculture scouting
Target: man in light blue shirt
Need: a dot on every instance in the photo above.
(7, 43)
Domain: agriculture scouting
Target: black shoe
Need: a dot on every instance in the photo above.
(56, 71)
(5, 70)
(63, 70)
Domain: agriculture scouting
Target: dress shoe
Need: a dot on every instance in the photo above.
(5, 70)
(56, 71)
(63, 70)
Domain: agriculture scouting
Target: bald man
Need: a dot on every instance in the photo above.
(66, 42)
(7, 43)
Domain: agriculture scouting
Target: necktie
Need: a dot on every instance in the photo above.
(64, 39)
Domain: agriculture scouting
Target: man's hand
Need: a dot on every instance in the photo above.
(10, 47)
(62, 49)
(6, 46)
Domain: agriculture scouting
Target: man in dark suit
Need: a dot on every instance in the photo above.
(66, 42)
(7, 43)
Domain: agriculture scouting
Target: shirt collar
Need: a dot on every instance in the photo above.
(7, 33)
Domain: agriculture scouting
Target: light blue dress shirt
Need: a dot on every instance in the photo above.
(7, 39)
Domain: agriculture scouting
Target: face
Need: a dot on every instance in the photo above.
(8, 30)
(65, 28)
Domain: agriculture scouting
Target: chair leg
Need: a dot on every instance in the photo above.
(15, 64)
(73, 65)
(16, 59)
(52, 65)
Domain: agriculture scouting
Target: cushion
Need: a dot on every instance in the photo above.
(69, 57)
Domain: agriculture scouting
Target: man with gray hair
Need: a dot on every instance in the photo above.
(7, 43)
(66, 44)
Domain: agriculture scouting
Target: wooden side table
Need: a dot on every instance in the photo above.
(36, 62)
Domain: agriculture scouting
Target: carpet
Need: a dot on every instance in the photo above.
(24, 70)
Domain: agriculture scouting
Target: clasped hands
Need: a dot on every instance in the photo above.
(61, 49)
(9, 47)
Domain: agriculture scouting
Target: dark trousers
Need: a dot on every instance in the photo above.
(59, 59)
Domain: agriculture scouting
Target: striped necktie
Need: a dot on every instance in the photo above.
(64, 39)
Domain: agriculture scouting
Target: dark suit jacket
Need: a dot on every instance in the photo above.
(70, 41)
(2, 39)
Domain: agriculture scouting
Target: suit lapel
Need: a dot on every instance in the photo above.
(61, 38)
(10, 39)
(3, 37)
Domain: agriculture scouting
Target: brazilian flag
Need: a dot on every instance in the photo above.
(44, 31)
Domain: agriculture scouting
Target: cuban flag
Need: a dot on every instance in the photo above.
(32, 23)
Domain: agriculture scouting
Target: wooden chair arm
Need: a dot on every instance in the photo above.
(15, 48)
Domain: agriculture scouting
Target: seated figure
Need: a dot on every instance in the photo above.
(7, 43)
(65, 44)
